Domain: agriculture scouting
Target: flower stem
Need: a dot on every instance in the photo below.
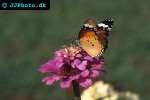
(76, 90)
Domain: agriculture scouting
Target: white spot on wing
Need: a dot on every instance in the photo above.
(102, 25)
(87, 25)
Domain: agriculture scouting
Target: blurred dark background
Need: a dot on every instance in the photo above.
(29, 38)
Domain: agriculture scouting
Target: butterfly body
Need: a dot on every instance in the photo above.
(93, 38)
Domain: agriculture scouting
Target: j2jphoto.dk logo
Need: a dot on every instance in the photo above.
(24, 4)
(15, 5)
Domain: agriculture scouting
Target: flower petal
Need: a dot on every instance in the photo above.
(94, 73)
(57, 77)
(85, 62)
(71, 58)
(84, 73)
(89, 58)
(50, 66)
(59, 64)
(60, 59)
(74, 77)
(82, 66)
(84, 82)
(49, 80)
(75, 63)
(78, 55)
(65, 83)
(59, 53)
(103, 62)
(97, 66)
(72, 63)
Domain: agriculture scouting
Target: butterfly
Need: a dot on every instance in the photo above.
(93, 37)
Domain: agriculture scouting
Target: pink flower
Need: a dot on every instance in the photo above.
(72, 63)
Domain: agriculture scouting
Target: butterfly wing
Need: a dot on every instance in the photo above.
(106, 24)
(93, 38)
(90, 23)
(92, 46)
(87, 29)
(88, 39)
(86, 32)
(103, 30)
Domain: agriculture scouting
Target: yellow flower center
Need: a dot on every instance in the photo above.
(70, 51)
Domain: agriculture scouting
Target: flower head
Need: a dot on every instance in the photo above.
(100, 91)
(105, 91)
(72, 63)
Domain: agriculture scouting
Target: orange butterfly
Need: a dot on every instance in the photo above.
(93, 38)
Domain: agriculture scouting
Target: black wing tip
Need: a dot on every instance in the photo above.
(109, 24)
(110, 21)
